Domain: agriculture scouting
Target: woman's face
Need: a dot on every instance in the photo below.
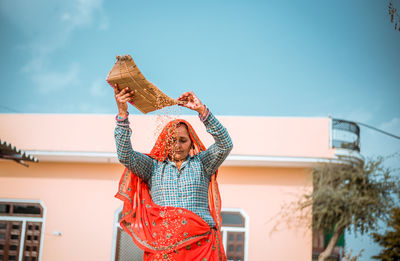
(180, 144)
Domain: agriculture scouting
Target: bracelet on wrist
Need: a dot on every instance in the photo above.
(205, 114)
(119, 118)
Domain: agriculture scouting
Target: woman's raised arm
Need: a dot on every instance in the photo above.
(213, 157)
(122, 97)
(136, 162)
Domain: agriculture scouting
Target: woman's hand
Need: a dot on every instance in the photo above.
(121, 97)
(191, 101)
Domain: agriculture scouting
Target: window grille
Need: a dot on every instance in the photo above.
(10, 235)
(235, 246)
(20, 231)
(32, 241)
(125, 249)
(21, 209)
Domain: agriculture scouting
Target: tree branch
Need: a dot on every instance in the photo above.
(332, 243)
(394, 16)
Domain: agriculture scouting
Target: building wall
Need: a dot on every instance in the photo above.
(79, 197)
(262, 136)
(80, 203)
(261, 193)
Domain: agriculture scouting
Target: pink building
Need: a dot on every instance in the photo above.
(63, 207)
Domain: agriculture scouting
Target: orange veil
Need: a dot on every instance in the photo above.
(164, 232)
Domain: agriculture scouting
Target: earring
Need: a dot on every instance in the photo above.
(191, 152)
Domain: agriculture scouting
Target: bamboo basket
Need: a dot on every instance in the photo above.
(147, 97)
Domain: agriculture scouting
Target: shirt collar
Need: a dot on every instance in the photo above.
(183, 164)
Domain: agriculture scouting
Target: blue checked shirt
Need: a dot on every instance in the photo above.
(186, 187)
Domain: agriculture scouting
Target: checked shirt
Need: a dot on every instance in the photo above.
(186, 187)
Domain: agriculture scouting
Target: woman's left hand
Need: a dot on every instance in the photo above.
(191, 101)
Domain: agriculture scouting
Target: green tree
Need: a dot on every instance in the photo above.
(349, 195)
(390, 241)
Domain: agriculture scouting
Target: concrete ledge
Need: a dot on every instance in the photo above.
(232, 160)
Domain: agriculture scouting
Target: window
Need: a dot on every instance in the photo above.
(234, 234)
(20, 230)
(124, 249)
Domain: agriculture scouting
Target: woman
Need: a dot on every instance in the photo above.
(171, 199)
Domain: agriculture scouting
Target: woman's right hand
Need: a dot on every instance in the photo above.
(121, 97)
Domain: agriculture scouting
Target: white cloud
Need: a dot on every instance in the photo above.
(40, 17)
(49, 26)
(48, 82)
(65, 17)
(98, 88)
(84, 12)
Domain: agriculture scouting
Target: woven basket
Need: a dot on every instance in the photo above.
(147, 97)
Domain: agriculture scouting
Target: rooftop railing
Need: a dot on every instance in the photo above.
(345, 134)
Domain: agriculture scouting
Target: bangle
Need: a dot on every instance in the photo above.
(205, 114)
(118, 118)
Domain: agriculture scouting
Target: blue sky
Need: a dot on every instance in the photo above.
(256, 58)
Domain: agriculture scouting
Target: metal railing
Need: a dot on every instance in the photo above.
(345, 134)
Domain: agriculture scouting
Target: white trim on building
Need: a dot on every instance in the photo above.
(116, 225)
(232, 160)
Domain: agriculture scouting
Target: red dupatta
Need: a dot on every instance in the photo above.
(170, 233)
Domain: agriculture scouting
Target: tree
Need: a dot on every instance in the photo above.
(390, 241)
(349, 196)
(348, 256)
(394, 15)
